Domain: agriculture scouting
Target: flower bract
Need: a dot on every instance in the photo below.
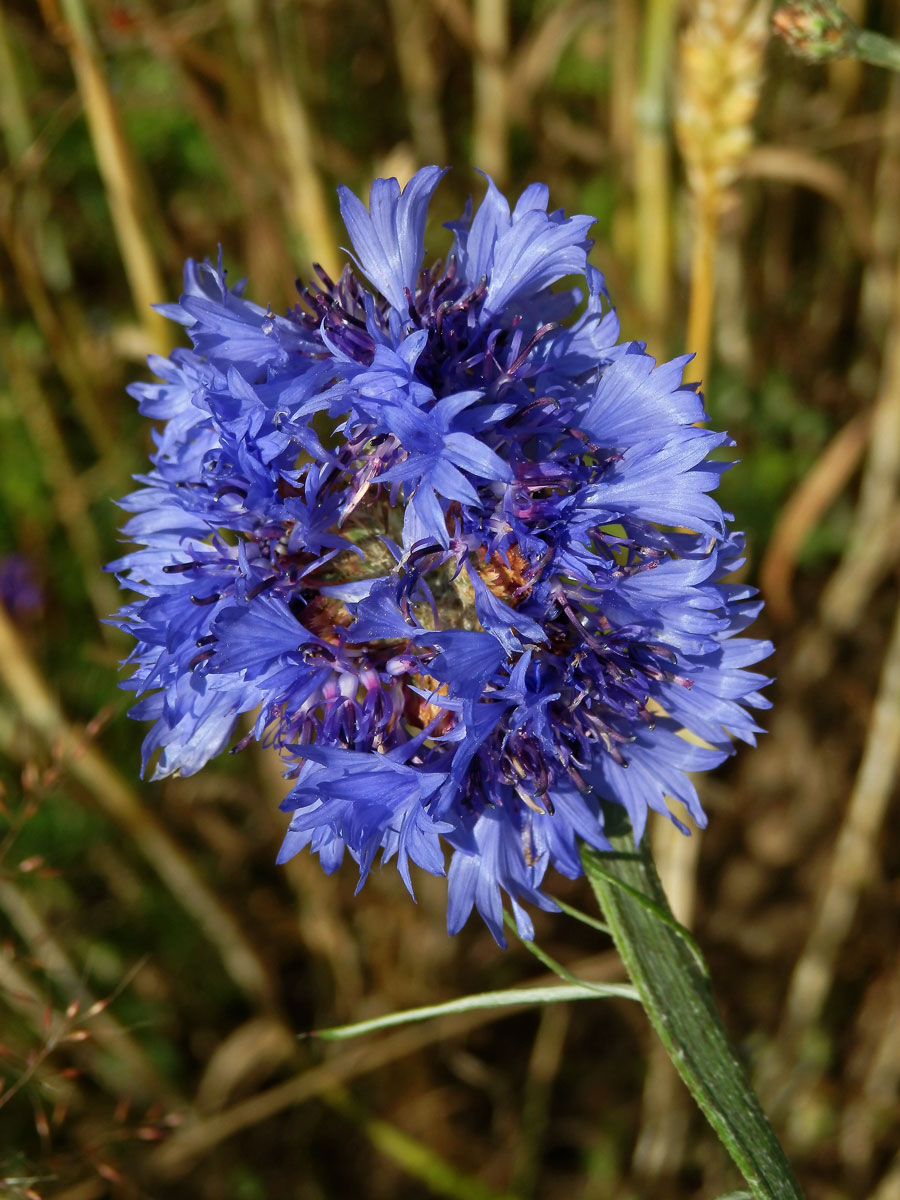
(450, 544)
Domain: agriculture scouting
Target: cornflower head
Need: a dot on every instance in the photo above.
(450, 541)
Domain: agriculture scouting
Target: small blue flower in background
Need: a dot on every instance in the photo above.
(459, 557)
(20, 592)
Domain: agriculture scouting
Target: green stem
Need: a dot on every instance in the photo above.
(676, 996)
(878, 50)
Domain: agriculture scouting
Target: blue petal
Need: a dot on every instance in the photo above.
(468, 660)
(389, 238)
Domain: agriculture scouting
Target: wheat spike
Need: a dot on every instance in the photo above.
(721, 61)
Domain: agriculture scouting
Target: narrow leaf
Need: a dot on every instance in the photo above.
(551, 963)
(577, 915)
(675, 992)
(509, 998)
(660, 911)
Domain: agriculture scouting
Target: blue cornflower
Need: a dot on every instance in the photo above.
(450, 541)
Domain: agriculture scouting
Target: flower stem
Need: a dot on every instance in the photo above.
(878, 50)
(662, 964)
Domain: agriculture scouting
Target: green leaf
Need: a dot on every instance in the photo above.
(662, 961)
(577, 915)
(551, 963)
(509, 998)
(660, 911)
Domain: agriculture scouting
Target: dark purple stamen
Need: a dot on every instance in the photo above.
(262, 586)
